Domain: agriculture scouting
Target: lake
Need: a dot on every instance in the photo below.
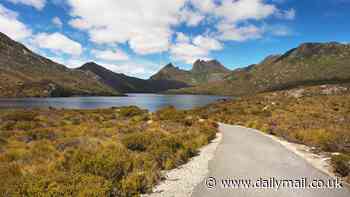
(152, 102)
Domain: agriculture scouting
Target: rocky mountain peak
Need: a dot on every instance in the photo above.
(208, 66)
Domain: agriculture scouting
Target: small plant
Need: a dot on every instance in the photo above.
(20, 116)
(342, 164)
(131, 111)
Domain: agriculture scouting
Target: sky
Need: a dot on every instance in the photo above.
(138, 37)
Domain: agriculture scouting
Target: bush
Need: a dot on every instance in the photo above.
(342, 164)
(41, 134)
(170, 113)
(316, 137)
(113, 152)
(25, 125)
(65, 185)
(140, 141)
(13, 179)
(110, 162)
(131, 111)
(135, 184)
(20, 116)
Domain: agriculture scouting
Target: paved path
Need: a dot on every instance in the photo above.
(245, 153)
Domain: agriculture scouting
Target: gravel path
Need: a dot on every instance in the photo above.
(180, 182)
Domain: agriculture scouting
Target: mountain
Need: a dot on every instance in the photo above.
(126, 84)
(201, 72)
(308, 64)
(26, 74)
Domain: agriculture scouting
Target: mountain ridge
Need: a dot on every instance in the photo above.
(127, 84)
(24, 73)
(201, 72)
(307, 64)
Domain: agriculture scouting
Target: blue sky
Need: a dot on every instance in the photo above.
(138, 37)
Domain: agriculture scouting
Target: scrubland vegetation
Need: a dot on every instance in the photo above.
(316, 116)
(109, 152)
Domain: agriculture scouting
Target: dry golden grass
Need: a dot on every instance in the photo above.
(109, 152)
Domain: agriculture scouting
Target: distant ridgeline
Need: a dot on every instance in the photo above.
(26, 74)
(309, 64)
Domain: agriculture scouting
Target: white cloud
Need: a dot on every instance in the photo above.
(199, 48)
(38, 4)
(109, 55)
(190, 17)
(79, 24)
(286, 14)
(57, 22)
(207, 43)
(240, 10)
(187, 52)
(181, 37)
(156, 41)
(70, 63)
(147, 26)
(204, 5)
(136, 69)
(11, 26)
(278, 30)
(58, 42)
(231, 32)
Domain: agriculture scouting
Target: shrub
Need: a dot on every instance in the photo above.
(25, 125)
(113, 152)
(20, 116)
(316, 137)
(41, 134)
(60, 184)
(15, 154)
(170, 113)
(342, 164)
(135, 184)
(131, 111)
(110, 162)
(12, 179)
(42, 149)
(140, 141)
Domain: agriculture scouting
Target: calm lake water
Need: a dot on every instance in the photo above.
(152, 102)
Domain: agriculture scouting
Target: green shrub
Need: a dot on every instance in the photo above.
(113, 152)
(21, 116)
(135, 184)
(110, 162)
(316, 137)
(170, 113)
(131, 111)
(12, 179)
(342, 164)
(15, 154)
(140, 141)
(41, 134)
(25, 125)
(65, 185)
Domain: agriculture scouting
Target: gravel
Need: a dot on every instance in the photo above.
(180, 182)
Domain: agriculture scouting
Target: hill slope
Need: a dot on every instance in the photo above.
(202, 72)
(126, 84)
(309, 64)
(26, 74)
